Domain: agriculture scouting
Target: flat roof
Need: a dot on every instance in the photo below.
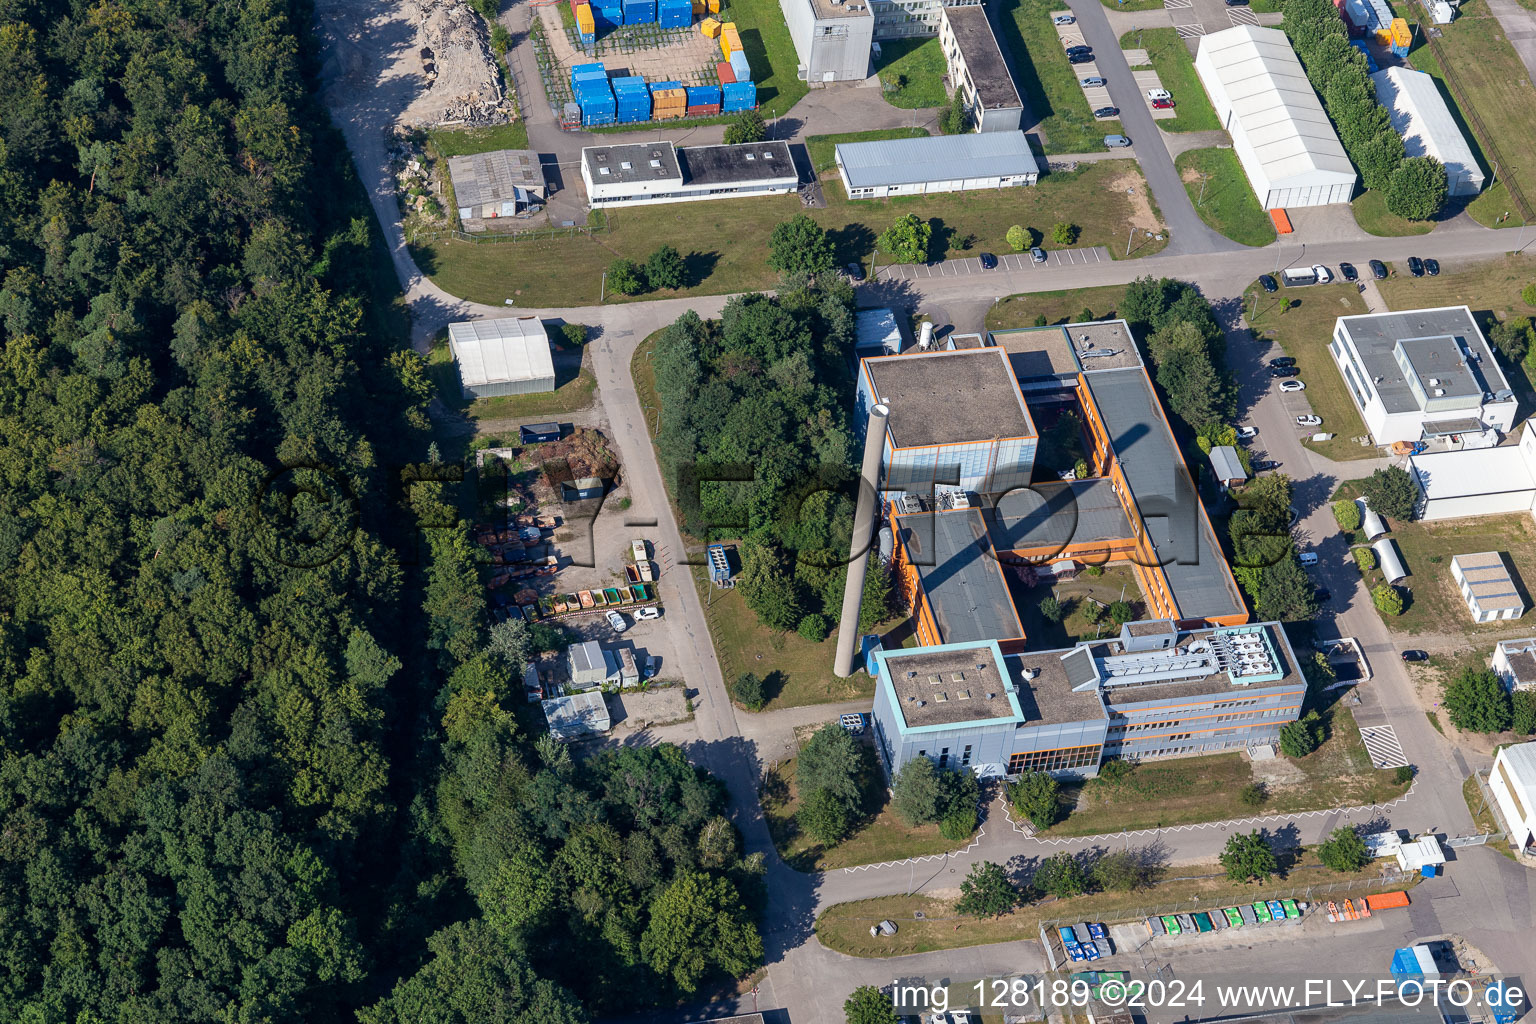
(960, 576)
(1521, 655)
(1063, 350)
(826, 10)
(1437, 364)
(876, 328)
(949, 397)
(949, 684)
(1055, 514)
(1048, 698)
(1160, 485)
(1375, 337)
(577, 715)
(494, 177)
(734, 165)
(983, 57)
(1226, 464)
(1477, 471)
(1218, 681)
(632, 163)
(936, 157)
(1485, 575)
(502, 350)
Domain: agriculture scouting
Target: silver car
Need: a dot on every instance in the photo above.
(1116, 141)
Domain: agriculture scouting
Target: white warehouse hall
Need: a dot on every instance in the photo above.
(1279, 131)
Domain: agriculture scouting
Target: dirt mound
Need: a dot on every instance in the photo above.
(463, 83)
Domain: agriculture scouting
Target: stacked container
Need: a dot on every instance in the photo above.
(1402, 36)
(639, 12)
(596, 100)
(607, 15)
(586, 24)
(739, 66)
(703, 100)
(738, 96)
(674, 13)
(730, 39)
(633, 99)
(723, 69)
(668, 104)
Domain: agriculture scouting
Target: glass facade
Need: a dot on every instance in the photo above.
(1056, 760)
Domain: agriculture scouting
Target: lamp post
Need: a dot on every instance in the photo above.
(602, 289)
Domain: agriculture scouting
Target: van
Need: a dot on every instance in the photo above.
(1308, 557)
(1159, 94)
(1300, 276)
(1116, 141)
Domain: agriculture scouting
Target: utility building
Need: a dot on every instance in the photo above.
(832, 38)
(489, 186)
(1513, 782)
(936, 163)
(1154, 691)
(978, 71)
(1280, 133)
(1420, 115)
(649, 173)
(1486, 586)
(509, 356)
(1514, 662)
(1422, 374)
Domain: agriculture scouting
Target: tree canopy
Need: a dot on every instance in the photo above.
(1477, 701)
(800, 245)
(1391, 492)
(1247, 856)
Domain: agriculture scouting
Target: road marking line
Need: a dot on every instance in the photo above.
(1382, 744)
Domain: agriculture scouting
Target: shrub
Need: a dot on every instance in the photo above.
(1417, 188)
(1037, 797)
(747, 126)
(1120, 612)
(1528, 294)
(1297, 739)
(1391, 492)
(955, 119)
(1018, 241)
(1063, 233)
(1344, 851)
(1252, 795)
(666, 269)
(1365, 558)
(1061, 876)
(574, 335)
(1094, 570)
(800, 245)
(824, 817)
(1081, 469)
(987, 892)
(1477, 702)
(1387, 599)
(1403, 775)
(1248, 856)
(1040, 320)
(907, 239)
(1050, 610)
(747, 691)
(1347, 514)
(814, 627)
(1115, 770)
(917, 793)
(958, 824)
(624, 277)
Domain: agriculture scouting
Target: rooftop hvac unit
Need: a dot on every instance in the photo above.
(1434, 382)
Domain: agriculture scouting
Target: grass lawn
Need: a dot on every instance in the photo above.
(880, 836)
(1057, 307)
(766, 39)
(1048, 83)
(844, 927)
(1371, 213)
(1303, 331)
(1495, 85)
(725, 241)
(823, 148)
(1430, 599)
(912, 73)
(571, 393)
(1185, 790)
(1495, 208)
(1483, 818)
(1222, 196)
(1176, 70)
(447, 142)
(1078, 598)
(1133, 5)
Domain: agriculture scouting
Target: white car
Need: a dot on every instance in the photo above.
(1323, 275)
(1308, 557)
(617, 622)
(647, 613)
(1159, 94)
(1244, 433)
(1292, 385)
(1309, 421)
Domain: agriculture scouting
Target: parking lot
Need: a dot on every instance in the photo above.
(1007, 261)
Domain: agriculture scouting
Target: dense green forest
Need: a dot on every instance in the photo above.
(761, 397)
(258, 753)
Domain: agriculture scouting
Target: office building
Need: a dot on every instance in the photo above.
(649, 173)
(936, 163)
(978, 71)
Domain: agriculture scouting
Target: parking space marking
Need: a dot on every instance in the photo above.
(1382, 744)
(1242, 16)
(1189, 31)
(1175, 5)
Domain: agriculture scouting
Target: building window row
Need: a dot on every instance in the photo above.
(1054, 760)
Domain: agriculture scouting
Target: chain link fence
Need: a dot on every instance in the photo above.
(1484, 137)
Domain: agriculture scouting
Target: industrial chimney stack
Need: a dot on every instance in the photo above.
(863, 539)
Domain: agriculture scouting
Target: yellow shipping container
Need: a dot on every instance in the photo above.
(664, 99)
(1383, 37)
(730, 39)
(714, 6)
(710, 27)
(1402, 35)
(584, 20)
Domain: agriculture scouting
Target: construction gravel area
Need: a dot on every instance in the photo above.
(463, 84)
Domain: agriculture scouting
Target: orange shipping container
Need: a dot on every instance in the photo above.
(1387, 900)
(1281, 221)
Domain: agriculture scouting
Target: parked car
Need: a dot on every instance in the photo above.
(1237, 3)
(1321, 273)
(1037, 254)
(1116, 141)
(1309, 421)
(1378, 270)
(988, 261)
(1244, 433)
(855, 271)
(1268, 283)
(648, 613)
(1091, 81)
(1415, 266)
(1283, 371)
(1283, 361)
(1162, 104)
(1261, 466)
(1348, 272)
(1081, 57)
(1415, 655)
(1064, 19)
(1159, 94)
(1322, 594)
(1292, 385)
(1104, 112)
(1432, 267)
(617, 622)
(1080, 48)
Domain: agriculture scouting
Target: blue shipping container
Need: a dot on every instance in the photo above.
(639, 13)
(739, 66)
(674, 19)
(665, 85)
(703, 95)
(739, 96)
(588, 76)
(577, 69)
(588, 39)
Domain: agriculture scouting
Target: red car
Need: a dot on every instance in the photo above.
(1162, 104)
